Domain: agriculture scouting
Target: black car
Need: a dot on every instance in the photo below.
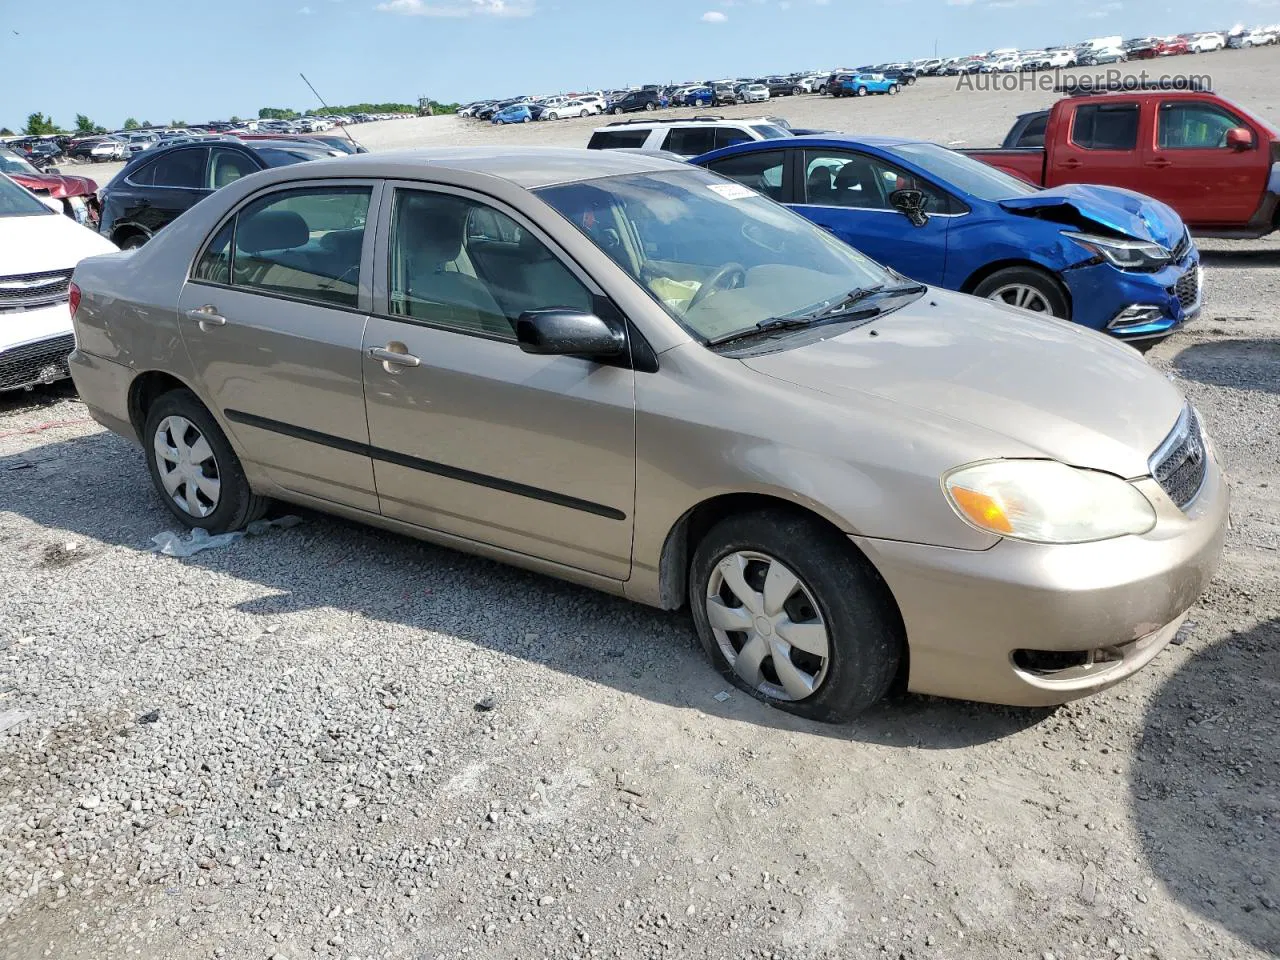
(83, 149)
(636, 100)
(779, 86)
(159, 184)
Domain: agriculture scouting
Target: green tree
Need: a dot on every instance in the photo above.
(234, 119)
(177, 123)
(131, 124)
(276, 113)
(84, 124)
(146, 123)
(5, 132)
(38, 125)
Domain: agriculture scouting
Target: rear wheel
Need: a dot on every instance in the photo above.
(132, 241)
(792, 614)
(893, 90)
(617, 111)
(649, 106)
(195, 471)
(1026, 288)
(583, 113)
(862, 91)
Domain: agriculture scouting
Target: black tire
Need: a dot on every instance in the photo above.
(866, 638)
(1047, 286)
(617, 111)
(893, 90)
(862, 91)
(649, 106)
(910, 81)
(237, 503)
(796, 91)
(132, 241)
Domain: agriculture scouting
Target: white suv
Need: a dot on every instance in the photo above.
(572, 108)
(688, 138)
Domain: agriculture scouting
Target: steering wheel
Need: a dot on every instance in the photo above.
(726, 278)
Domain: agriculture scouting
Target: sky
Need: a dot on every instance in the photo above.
(161, 60)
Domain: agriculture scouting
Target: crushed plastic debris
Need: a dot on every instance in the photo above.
(11, 718)
(171, 544)
(722, 696)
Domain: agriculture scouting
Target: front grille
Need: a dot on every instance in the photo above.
(1180, 463)
(1187, 289)
(23, 290)
(1183, 247)
(40, 362)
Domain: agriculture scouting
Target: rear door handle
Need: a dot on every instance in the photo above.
(1072, 164)
(1160, 163)
(207, 316)
(389, 358)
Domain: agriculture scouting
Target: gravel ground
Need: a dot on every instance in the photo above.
(326, 741)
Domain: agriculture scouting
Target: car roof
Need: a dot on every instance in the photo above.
(831, 140)
(527, 167)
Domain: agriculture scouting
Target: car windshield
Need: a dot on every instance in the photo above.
(963, 173)
(10, 162)
(17, 202)
(284, 156)
(768, 131)
(716, 255)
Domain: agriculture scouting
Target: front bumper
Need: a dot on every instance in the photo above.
(1101, 294)
(35, 345)
(1111, 605)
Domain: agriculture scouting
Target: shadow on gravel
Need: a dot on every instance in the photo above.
(1241, 257)
(1206, 787)
(98, 487)
(15, 401)
(1233, 364)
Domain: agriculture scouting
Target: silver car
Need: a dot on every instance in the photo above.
(633, 374)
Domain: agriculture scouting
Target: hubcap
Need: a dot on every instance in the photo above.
(188, 469)
(768, 625)
(1021, 295)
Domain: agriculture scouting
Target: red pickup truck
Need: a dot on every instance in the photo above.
(1215, 163)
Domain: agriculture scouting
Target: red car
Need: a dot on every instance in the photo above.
(1172, 46)
(77, 194)
(1211, 160)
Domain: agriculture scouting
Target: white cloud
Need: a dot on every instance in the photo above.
(1105, 10)
(459, 8)
(959, 3)
(305, 10)
(714, 16)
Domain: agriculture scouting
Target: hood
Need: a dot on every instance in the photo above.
(56, 185)
(1053, 388)
(40, 243)
(1121, 211)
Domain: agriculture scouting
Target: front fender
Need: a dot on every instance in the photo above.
(975, 244)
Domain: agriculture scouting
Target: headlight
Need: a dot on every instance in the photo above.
(1125, 254)
(1043, 501)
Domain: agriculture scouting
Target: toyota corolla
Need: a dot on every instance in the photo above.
(636, 375)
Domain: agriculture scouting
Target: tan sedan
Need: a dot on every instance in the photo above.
(635, 375)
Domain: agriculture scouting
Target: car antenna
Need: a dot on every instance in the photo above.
(326, 106)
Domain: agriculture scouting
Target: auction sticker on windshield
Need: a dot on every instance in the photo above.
(732, 191)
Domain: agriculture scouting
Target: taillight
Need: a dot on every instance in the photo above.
(75, 300)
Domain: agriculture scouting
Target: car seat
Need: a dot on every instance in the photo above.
(856, 185)
(428, 238)
(820, 186)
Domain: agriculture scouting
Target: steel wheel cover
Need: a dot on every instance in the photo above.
(187, 467)
(1023, 296)
(768, 625)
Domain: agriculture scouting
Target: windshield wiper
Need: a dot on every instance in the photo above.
(842, 309)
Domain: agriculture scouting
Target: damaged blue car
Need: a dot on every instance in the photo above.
(1103, 257)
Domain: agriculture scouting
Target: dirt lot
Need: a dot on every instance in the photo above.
(325, 741)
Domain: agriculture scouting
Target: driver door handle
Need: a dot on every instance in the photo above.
(1160, 163)
(1072, 164)
(384, 355)
(207, 316)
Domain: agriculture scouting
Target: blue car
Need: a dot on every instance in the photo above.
(861, 84)
(701, 97)
(516, 113)
(1105, 258)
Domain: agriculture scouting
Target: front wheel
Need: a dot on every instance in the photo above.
(791, 613)
(893, 90)
(526, 119)
(617, 111)
(193, 467)
(862, 91)
(1026, 288)
(649, 107)
(583, 113)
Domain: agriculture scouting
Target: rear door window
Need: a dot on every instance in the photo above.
(227, 166)
(1105, 126)
(760, 170)
(180, 168)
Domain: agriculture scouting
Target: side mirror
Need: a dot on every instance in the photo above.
(911, 203)
(564, 332)
(54, 170)
(1240, 138)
